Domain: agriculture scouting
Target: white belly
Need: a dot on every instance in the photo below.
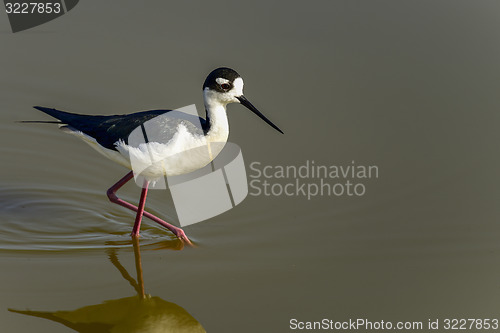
(184, 153)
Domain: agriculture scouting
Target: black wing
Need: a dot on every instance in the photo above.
(107, 130)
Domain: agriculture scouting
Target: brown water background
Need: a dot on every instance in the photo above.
(408, 86)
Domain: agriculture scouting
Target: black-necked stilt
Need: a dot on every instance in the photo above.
(109, 135)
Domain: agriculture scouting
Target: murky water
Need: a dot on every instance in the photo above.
(411, 88)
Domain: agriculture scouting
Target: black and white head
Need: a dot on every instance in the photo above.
(223, 86)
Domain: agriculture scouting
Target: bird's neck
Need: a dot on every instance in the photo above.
(218, 130)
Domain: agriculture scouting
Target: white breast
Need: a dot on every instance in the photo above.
(185, 152)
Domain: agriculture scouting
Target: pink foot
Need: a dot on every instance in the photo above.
(140, 210)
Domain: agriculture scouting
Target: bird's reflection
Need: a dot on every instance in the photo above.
(140, 313)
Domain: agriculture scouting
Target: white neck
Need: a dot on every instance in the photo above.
(216, 112)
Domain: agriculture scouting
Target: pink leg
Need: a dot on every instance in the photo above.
(113, 198)
(140, 209)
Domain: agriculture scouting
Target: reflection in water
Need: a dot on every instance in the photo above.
(25, 206)
(141, 313)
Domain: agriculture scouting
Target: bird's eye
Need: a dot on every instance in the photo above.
(225, 86)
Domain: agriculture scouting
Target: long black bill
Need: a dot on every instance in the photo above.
(252, 108)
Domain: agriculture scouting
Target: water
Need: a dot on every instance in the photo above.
(410, 88)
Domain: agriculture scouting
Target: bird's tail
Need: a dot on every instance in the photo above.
(38, 122)
(60, 115)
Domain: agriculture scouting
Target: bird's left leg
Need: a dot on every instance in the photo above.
(140, 209)
(114, 198)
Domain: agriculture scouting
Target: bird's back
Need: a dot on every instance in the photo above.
(108, 130)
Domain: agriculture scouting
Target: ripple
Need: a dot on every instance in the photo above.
(60, 219)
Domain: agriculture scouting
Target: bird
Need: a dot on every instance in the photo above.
(176, 133)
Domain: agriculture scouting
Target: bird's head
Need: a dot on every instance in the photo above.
(223, 86)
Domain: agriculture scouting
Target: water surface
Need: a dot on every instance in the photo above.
(411, 88)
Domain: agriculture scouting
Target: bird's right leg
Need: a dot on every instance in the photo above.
(114, 198)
